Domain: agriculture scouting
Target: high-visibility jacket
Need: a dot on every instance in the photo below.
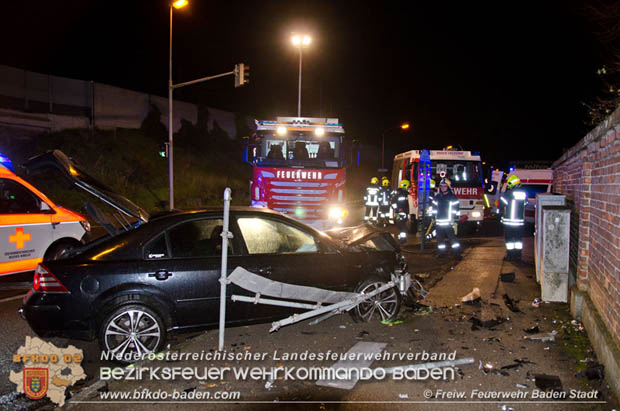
(372, 196)
(384, 196)
(400, 201)
(444, 208)
(513, 202)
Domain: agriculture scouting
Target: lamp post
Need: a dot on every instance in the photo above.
(300, 42)
(403, 126)
(177, 4)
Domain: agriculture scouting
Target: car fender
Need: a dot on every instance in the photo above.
(132, 293)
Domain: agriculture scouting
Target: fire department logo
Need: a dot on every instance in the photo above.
(36, 382)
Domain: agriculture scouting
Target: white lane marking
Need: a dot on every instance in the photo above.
(16, 297)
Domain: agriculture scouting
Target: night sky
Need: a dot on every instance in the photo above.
(505, 78)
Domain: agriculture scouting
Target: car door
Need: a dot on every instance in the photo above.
(25, 228)
(283, 251)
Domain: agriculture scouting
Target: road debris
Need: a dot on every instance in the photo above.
(507, 277)
(362, 334)
(522, 386)
(543, 337)
(536, 303)
(490, 368)
(490, 324)
(532, 330)
(548, 382)
(472, 296)
(404, 396)
(595, 372)
(511, 304)
(518, 363)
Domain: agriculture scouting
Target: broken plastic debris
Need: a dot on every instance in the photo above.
(342, 326)
(518, 363)
(472, 296)
(511, 304)
(536, 302)
(532, 330)
(507, 277)
(392, 322)
(362, 334)
(521, 385)
(548, 382)
(543, 337)
(595, 372)
(489, 367)
(269, 385)
(476, 323)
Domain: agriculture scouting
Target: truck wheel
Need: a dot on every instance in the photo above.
(58, 250)
(384, 306)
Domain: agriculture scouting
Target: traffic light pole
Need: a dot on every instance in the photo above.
(238, 72)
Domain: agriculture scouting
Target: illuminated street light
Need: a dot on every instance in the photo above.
(403, 126)
(300, 42)
(281, 130)
(177, 4)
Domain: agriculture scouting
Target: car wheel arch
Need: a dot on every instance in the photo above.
(131, 294)
(64, 241)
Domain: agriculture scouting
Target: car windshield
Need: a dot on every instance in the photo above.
(303, 150)
(461, 173)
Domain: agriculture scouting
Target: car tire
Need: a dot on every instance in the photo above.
(132, 329)
(384, 306)
(57, 250)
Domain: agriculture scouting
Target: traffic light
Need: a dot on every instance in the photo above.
(242, 74)
(163, 150)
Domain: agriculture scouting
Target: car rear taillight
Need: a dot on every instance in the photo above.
(45, 282)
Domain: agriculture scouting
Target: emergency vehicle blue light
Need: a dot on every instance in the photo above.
(475, 153)
(6, 162)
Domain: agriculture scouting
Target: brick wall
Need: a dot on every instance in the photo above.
(589, 175)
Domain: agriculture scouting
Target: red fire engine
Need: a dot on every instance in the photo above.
(463, 168)
(299, 169)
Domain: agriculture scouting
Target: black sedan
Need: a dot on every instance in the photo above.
(131, 290)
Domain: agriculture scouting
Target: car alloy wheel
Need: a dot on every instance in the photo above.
(133, 331)
(384, 306)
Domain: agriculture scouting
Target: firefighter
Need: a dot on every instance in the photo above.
(445, 208)
(371, 199)
(385, 195)
(513, 202)
(429, 224)
(400, 206)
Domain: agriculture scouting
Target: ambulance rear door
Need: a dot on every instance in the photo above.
(25, 228)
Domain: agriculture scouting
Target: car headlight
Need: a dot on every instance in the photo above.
(337, 213)
(85, 225)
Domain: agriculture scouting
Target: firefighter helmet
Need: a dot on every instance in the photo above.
(374, 181)
(385, 182)
(404, 184)
(513, 181)
(432, 184)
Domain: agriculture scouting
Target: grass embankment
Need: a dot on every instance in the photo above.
(128, 161)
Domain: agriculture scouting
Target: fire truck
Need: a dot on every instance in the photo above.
(299, 169)
(463, 168)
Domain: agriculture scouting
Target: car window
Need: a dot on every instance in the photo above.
(197, 238)
(264, 236)
(156, 249)
(17, 199)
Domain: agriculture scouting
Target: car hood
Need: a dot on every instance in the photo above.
(77, 176)
(362, 234)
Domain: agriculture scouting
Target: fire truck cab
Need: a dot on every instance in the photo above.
(299, 169)
(463, 168)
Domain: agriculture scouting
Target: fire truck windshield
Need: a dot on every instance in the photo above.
(300, 152)
(461, 173)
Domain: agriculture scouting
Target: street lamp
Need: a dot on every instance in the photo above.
(177, 4)
(300, 41)
(403, 126)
